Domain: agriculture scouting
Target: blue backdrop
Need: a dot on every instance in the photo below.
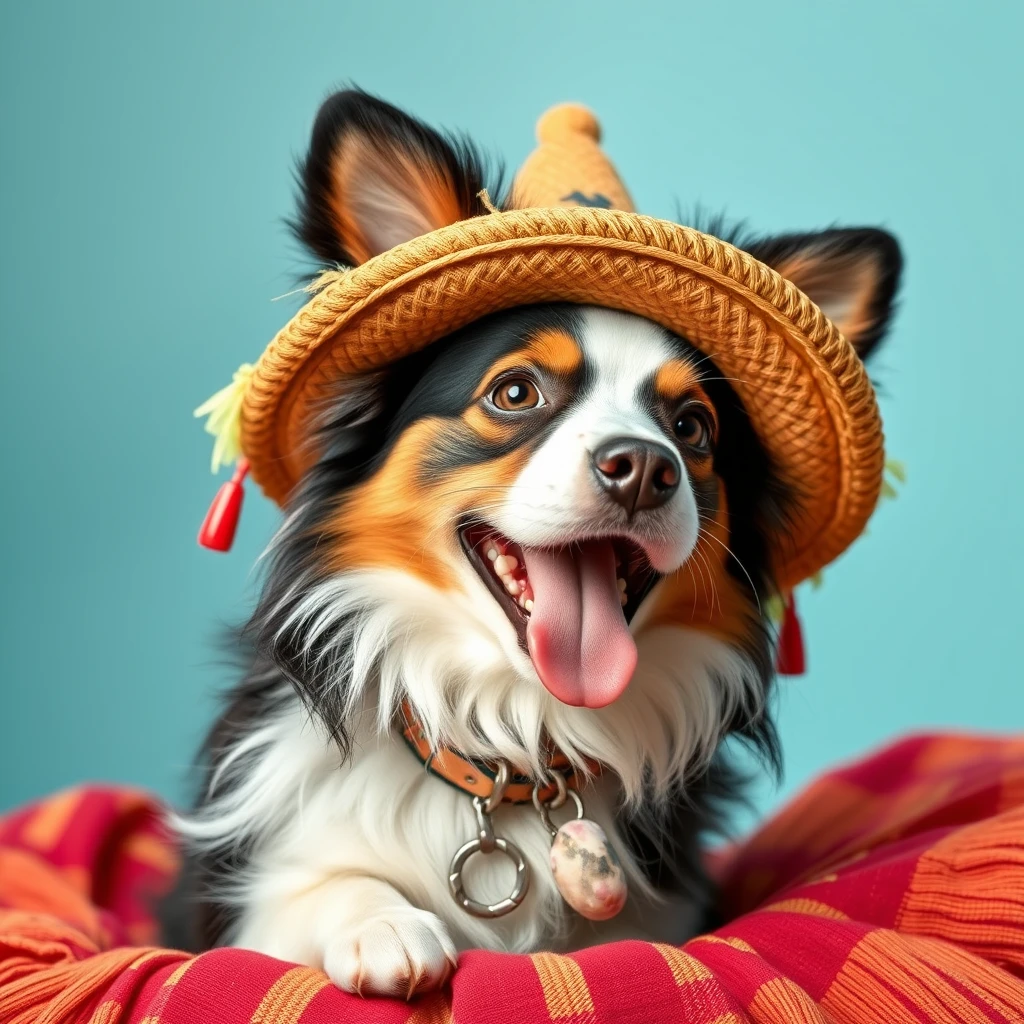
(146, 158)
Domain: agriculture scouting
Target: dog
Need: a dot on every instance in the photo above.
(546, 532)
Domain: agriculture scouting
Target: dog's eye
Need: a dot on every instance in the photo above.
(692, 429)
(515, 394)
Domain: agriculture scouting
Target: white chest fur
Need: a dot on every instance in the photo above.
(384, 816)
(352, 854)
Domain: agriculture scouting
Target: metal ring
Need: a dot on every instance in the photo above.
(562, 788)
(501, 781)
(544, 810)
(558, 799)
(502, 907)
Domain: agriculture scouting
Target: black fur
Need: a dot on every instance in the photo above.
(192, 916)
(353, 111)
(838, 245)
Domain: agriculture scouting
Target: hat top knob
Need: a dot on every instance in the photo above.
(561, 123)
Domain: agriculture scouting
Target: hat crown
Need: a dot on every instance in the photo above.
(568, 167)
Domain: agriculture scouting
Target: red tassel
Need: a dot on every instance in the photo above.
(218, 530)
(790, 659)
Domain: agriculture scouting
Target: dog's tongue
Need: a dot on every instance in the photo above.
(577, 635)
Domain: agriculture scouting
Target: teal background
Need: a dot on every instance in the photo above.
(146, 158)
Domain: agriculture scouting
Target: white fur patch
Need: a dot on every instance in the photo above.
(556, 498)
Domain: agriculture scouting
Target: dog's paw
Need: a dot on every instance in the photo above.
(401, 953)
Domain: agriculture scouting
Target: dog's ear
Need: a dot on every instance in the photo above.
(375, 177)
(851, 273)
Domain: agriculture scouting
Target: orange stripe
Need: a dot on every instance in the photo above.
(685, 968)
(433, 1009)
(107, 1013)
(150, 954)
(735, 943)
(801, 905)
(917, 969)
(781, 1000)
(289, 996)
(175, 976)
(1010, 1010)
(166, 989)
(565, 989)
(49, 822)
(152, 851)
(969, 889)
(63, 991)
(997, 986)
(32, 885)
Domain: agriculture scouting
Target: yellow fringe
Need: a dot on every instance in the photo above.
(324, 278)
(223, 412)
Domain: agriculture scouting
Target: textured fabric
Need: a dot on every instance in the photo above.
(568, 167)
(891, 891)
(806, 391)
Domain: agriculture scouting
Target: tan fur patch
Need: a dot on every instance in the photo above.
(397, 520)
(675, 378)
(554, 351)
(678, 379)
(843, 287)
(364, 177)
(703, 594)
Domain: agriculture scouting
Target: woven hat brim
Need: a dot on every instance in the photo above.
(805, 390)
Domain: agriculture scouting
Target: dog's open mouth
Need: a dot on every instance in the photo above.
(571, 607)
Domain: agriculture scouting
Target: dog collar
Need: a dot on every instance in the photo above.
(586, 870)
(477, 778)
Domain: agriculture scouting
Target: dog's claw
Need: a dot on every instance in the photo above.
(404, 955)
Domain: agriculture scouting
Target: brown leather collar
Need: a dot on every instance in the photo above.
(477, 777)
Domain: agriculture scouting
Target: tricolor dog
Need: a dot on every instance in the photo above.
(524, 575)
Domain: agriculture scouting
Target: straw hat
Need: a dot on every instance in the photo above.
(574, 236)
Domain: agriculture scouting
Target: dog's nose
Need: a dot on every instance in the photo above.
(636, 474)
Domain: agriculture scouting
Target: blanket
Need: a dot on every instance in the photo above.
(889, 891)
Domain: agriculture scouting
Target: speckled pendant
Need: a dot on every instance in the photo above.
(587, 871)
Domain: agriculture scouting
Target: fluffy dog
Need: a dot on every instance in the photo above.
(545, 532)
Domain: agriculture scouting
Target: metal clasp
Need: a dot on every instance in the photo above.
(487, 842)
(564, 793)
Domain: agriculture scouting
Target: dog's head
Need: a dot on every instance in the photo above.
(555, 510)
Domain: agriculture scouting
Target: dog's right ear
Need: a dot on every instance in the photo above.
(375, 177)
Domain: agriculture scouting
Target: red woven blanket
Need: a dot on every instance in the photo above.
(890, 891)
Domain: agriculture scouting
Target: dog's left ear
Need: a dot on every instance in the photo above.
(852, 274)
(375, 177)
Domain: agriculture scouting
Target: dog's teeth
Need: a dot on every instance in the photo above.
(621, 584)
(623, 599)
(522, 601)
(492, 553)
(512, 586)
(505, 564)
(528, 604)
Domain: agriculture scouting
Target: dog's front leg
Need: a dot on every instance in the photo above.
(360, 930)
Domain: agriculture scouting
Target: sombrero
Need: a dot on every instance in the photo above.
(574, 236)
